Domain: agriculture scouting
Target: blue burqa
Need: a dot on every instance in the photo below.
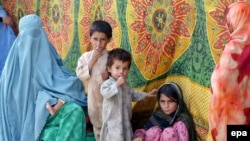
(33, 75)
(7, 36)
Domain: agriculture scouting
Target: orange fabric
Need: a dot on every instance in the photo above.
(230, 82)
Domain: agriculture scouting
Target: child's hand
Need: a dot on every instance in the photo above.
(55, 108)
(105, 75)
(97, 53)
(152, 93)
(120, 81)
(138, 139)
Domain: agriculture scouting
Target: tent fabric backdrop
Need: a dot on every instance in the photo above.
(170, 40)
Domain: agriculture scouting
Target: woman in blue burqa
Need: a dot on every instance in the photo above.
(7, 36)
(34, 81)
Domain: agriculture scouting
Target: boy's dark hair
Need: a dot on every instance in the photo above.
(118, 54)
(101, 26)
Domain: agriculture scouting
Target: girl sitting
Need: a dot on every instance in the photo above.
(172, 122)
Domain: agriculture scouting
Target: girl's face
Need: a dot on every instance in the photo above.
(167, 105)
(99, 40)
(119, 68)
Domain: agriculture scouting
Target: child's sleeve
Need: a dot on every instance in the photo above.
(137, 96)
(82, 69)
(108, 89)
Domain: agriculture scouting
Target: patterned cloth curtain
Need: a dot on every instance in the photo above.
(170, 40)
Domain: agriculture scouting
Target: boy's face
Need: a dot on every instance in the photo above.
(99, 40)
(119, 68)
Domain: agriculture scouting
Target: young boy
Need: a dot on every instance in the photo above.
(117, 98)
(91, 68)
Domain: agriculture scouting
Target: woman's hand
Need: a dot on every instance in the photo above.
(7, 21)
(53, 109)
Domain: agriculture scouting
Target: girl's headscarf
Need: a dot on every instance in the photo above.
(159, 118)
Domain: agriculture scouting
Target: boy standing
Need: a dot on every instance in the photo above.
(91, 68)
(118, 97)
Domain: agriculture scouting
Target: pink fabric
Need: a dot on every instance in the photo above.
(230, 80)
(178, 132)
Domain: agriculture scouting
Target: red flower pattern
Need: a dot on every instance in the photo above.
(158, 26)
(222, 37)
(58, 23)
(95, 10)
(16, 9)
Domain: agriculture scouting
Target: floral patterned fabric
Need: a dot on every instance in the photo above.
(170, 40)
